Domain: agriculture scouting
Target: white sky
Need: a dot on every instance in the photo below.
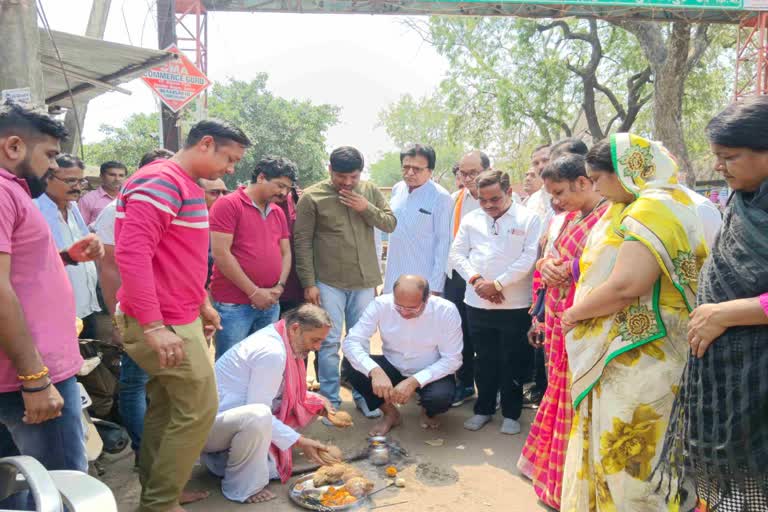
(360, 63)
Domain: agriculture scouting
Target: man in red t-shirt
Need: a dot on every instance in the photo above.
(161, 249)
(251, 252)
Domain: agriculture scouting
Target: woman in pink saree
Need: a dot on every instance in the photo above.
(543, 455)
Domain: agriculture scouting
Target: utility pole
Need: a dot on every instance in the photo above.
(97, 24)
(166, 36)
(19, 60)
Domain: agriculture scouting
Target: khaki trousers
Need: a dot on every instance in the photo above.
(182, 407)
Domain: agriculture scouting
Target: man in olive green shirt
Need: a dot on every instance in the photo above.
(336, 258)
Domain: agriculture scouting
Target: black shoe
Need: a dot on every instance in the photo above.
(532, 398)
(462, 395)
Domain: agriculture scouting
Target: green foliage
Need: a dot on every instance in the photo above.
(276, 126)
(419, 121)
(520, 74)
(386, 171)
(290, 128)
(709, 89)
(127, 143)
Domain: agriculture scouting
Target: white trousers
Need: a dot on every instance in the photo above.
(238, 450)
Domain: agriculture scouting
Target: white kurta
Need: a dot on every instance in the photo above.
(249, 378)
(419, 244)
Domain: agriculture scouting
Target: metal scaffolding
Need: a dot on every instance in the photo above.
(192, 35)
(752, 47)
(752, 56)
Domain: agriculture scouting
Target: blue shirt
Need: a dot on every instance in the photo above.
(420, 242)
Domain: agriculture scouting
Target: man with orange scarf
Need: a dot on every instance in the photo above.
(263, 399)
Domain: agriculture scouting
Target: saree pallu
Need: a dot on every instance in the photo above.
(543, 454)
(626, 366)
(718, 434)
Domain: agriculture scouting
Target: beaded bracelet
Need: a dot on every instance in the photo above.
(39, 375)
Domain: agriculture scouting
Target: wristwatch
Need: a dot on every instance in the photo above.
(498, 286)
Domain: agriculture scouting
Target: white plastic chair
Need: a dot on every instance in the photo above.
(54, 490)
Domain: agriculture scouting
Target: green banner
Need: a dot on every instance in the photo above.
(649, 4)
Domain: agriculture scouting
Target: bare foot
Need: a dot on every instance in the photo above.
(261, 496)
(390, 420)
(428, 423)
(192, 496)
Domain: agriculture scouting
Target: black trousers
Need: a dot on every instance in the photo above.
(503, 358)
(435, 397)
(454, 290)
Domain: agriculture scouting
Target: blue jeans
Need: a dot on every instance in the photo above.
(58, 443)
(345, 307)
(240, 321)
(132, 401)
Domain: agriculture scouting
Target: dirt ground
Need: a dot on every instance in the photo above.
(471, 471)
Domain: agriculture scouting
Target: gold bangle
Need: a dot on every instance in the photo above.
(39, 375)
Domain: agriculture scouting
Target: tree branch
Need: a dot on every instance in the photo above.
(617, 106)
(559, 122)
(700, 45)
(610, 123)
(567, 33)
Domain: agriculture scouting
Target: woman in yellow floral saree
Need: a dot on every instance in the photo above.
(628, 343)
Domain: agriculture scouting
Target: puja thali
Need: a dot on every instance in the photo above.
(304, 494)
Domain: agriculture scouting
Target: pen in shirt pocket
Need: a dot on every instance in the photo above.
(422, 210)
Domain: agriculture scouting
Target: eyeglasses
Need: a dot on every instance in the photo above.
(403, 309)
(469, 175)
(495, 228)
(71, 182)
(217, 192)
(413, 168)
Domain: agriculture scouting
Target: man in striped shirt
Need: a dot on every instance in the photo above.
(420, 243)
(161, 236)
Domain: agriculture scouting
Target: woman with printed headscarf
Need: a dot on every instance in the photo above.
(627, 343)
(718, 434)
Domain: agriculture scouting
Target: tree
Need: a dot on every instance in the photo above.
(673, 52)
(127, 143)
(419, 121)
(592, 84)
(290, 128)
(577, 77)
(512, 73)
(386, 171)
(276, 126)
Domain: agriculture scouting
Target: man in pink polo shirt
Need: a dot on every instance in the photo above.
(161, 237)
(112, 176)
(40, 413)
(251, 252)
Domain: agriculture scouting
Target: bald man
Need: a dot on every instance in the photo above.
(421, 343)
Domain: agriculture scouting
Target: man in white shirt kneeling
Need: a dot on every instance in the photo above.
(421, 343)
(263, 399)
